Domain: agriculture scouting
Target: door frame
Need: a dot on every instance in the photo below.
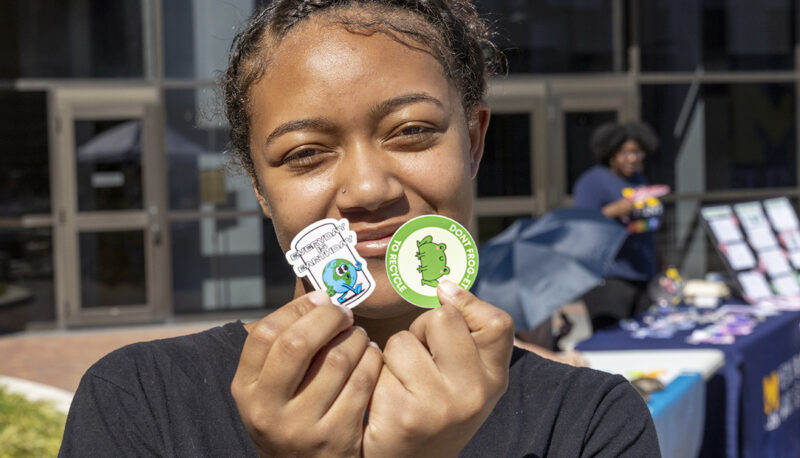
(71, 104)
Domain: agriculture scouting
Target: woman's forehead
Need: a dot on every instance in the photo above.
(320, 60)
(326, 32)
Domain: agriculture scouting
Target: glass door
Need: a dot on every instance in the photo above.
(112, 250)
(576, 114)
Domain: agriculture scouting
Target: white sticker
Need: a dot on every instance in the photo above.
(725, 230)
(774, 261)
(325, 253)
(739, 256)
(754, 284)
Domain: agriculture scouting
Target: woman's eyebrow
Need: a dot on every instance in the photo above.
(387, 106)
(300, 124)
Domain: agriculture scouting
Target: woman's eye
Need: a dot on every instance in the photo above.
(415, 130)
(303, 157)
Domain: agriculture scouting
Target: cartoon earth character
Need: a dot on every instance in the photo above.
(340, 276)
(432, 261)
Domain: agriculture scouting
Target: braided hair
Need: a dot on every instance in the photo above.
(450, 30)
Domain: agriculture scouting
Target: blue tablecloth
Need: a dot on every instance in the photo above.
(679, 414)
(753, 404)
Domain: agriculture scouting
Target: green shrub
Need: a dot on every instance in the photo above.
(28, 428)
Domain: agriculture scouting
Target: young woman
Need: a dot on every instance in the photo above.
(620, 150)
(371, 111)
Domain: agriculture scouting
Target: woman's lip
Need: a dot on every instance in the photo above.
(375, 241)
(373, 247)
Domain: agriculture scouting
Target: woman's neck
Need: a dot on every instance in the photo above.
(380, 330)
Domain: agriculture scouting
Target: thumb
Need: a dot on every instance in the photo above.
(492, 329)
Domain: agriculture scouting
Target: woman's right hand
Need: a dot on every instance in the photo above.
(304, 380)
(618, 208)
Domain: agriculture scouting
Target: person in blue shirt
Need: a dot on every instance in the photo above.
(616, 186)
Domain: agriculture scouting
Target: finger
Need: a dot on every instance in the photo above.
(291, 353)
(329, 371)
(446, 335)
(350, 406)
(263, 333)
(409, 360)
(491, 328)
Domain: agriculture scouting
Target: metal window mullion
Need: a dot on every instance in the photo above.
(153, 42)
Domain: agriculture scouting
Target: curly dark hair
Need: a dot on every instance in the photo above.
(450, 30)
(608, 138)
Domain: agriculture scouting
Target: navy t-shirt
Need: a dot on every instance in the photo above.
(598, 187)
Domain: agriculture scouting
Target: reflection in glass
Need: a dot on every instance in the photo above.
(489, 226)
(717, 35)
(24, 161)
(71, 39)
(199, 174)
(505, 169)
(722, 136)
(547, 36)
(198, 34)
(26, 268)
(225, 264)
(109, 165)
(578, 129)
(750, 133)
(113, 268)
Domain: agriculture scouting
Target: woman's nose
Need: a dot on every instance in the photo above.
(367, 179)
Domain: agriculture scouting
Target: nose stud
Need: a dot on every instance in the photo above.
(344, 190)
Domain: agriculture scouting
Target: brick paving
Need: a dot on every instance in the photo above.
(59, 358)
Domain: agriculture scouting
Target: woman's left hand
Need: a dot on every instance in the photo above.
(441, 378)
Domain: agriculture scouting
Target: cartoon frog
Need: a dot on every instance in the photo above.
(432, 260)
(340, 276)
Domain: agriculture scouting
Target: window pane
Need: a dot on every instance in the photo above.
(722, 136)
(717, 34)
(489, 226)
(553, 36)
(224, 264)
(71, 39)
(26, 271)
(578, 128)
(505, 169)
(112, 269)
(198, 34)
(24, 161)
(108, 157)
(199, 176)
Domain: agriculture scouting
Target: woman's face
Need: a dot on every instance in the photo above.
(628, 159)
(360, 126)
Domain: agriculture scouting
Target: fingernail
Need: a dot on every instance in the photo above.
(374, 345)
(319, 298)
(450, 290)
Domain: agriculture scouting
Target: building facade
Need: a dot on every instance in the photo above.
(117, 204)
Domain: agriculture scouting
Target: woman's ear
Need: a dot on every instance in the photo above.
(262, 201)
(477, 124)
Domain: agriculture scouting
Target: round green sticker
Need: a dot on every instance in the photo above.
(427, 250)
